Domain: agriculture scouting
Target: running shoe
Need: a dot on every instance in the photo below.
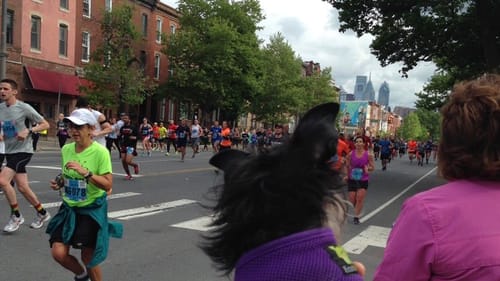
(355, 220)
(84, 278)
(136, 169)
(129, 178)
(39, 220)
(13, 223)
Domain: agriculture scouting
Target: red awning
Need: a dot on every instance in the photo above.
(54, 82)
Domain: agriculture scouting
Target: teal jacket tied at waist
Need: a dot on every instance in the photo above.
(98, 211)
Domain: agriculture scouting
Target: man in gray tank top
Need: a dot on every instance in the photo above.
(16, 118)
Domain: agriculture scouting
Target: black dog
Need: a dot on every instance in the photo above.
(280, 195)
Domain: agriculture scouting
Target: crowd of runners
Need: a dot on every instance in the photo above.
(357, 154)
(190, 137)
(389, 148)
(175, 137)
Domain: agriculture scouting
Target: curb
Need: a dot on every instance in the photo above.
(50, 144)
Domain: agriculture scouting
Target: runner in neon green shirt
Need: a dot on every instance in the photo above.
(82, 221)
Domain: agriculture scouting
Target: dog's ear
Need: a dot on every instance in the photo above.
(326, 112)
(316, 132)
(226, 158)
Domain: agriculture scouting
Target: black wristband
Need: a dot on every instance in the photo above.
(88, 176)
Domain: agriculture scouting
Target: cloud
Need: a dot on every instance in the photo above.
(293, 27)
(311, 28)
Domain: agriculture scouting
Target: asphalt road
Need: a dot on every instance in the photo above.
(163, 219)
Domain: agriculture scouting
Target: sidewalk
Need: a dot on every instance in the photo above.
(48, 144)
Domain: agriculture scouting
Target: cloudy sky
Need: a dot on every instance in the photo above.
(311, 29)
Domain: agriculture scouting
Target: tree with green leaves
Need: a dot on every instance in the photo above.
(435, 93)
(114, 72)
(285, 93)
(280, 91)
(430, 122)
(318, 89)
(412, 128)
(461, 34)
(215, 55)
(462, 37)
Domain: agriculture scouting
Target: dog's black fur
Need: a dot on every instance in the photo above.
(275, 193)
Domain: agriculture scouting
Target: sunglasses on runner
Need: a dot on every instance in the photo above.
(74, 126)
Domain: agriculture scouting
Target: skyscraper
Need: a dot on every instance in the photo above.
(369, 93)
(363, 89)
(359, 87)
(384, 94)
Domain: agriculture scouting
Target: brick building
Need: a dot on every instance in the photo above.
(49, 42)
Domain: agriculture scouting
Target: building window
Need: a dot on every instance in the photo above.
(159, 23)
(108, 5)
(9, 36)
(86, 8)
(36, 27)
(171, 108)
(143, 59)
(63, 40)
(172, 29)
(144, 25)
(49, 111)
(157, 66)
(170, 70)
(64, 109)
(163, 108)
(85, 46)
(64, 4)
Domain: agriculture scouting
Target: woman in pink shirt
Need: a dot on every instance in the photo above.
(359, 163)
(452, 232)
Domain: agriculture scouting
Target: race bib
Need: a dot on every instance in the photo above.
(130, 150)
(9, 129)
(75, 190)
(357, 174)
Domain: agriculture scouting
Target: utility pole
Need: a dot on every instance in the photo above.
(3, 41)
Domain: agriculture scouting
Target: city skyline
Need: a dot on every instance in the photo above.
(311, 29)
(364, 91)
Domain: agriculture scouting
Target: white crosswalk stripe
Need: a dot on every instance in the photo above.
(132, 213)
(113, 196)
(371, 236)
(148, 210)
(59, 168)
(198, 224)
